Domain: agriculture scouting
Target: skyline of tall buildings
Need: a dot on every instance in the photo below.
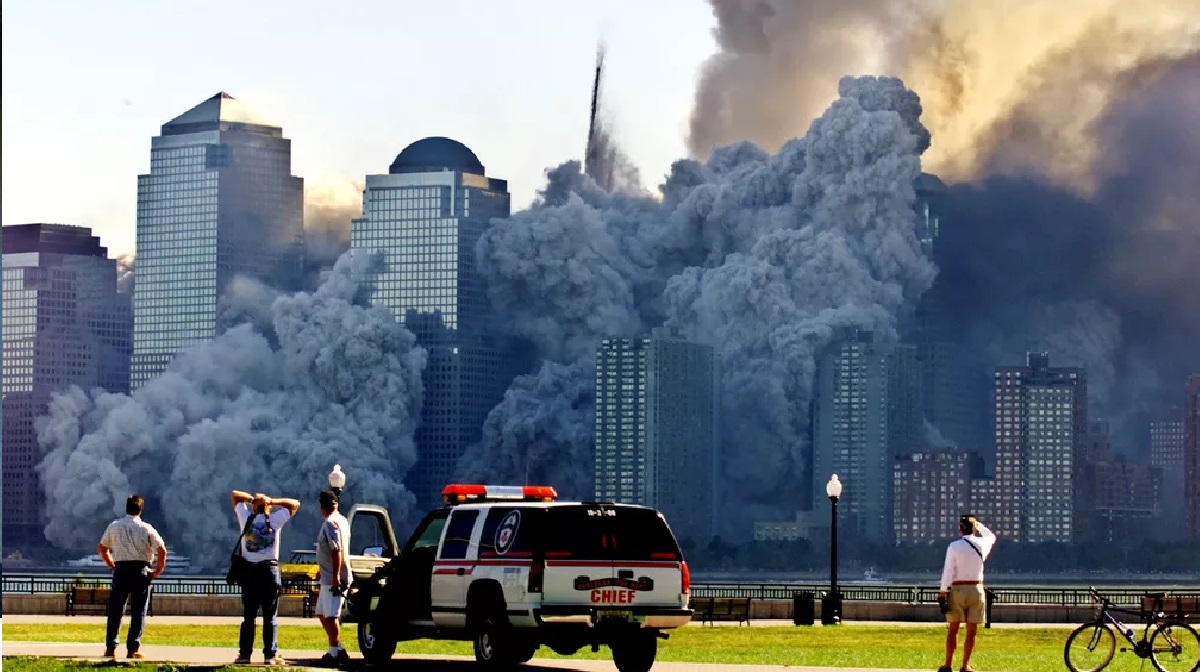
(64, 323)
(424, 217)
(657, 433)
(219, 201)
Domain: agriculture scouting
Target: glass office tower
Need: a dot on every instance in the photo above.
(424, 217)
(64, 324)
(657, 438)
(219, 201)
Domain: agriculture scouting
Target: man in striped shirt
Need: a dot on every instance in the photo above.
(128, 547)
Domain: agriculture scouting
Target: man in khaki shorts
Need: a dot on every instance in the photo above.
(962, 587)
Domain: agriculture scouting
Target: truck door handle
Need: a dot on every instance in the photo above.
(625, 574)
(461, 571)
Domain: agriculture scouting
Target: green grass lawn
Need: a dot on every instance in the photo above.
(911, 647)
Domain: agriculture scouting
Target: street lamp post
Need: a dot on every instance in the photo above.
(337, 479)
(832, 613)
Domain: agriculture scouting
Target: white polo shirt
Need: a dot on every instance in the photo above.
(131, 539)
(962, 562)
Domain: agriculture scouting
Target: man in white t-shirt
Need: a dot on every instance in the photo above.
(334, 576)
(260, 519)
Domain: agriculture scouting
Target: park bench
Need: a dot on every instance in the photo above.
(88, 600)
(1185, 608)
(94, 600)
(712, 609)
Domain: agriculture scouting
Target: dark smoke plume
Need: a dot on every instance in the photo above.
(765, 257)
(331, 382)
(1068, 129)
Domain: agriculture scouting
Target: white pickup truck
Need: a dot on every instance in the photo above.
(511, 568)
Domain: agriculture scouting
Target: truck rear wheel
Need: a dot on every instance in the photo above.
(375, 641)
(635, 652)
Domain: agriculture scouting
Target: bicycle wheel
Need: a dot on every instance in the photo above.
(1175, 647)
(1090, 648)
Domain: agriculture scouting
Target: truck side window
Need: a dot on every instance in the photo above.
(458, 534)
(509, 532)
(428, 533)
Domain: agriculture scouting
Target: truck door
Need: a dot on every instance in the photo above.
(372, 540)
(647, 562)
(578, 569)
(453, 569)
(416, 566)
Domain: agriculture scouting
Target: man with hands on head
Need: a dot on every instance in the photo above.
(260, 519)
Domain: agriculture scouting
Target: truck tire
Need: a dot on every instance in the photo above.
(489, 644)
(635, 651)
(376, 641)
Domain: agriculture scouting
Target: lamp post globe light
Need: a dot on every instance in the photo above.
(831, 609)
(337, 479)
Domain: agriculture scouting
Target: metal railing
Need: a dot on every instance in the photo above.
(911, 594)
(1074, 597)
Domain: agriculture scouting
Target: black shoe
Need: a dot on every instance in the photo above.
(343, 656)
(327, 661)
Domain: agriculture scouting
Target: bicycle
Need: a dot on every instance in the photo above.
(1166, 642)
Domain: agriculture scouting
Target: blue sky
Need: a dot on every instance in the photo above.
(86, 84)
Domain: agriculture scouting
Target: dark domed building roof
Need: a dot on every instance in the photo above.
(436, 154)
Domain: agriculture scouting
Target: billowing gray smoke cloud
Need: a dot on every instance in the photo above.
(333, 382)
(541, 432)
(1072, 123)
(765, 257)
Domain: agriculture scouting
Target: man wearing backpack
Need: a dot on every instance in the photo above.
(961, 591)
(260, 525)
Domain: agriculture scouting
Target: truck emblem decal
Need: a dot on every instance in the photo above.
(506, 533)
(643, 583)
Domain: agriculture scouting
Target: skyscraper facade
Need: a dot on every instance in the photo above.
(423, 218)
(657, 439)
(867, 414)
(932, 488)
(1191, 456)
(1041, 424)
(64, 324)
(1166, 455)
(219, 201)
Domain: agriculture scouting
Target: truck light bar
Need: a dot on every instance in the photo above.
(459, 493)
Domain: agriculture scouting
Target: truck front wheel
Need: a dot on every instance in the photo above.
(375, 641)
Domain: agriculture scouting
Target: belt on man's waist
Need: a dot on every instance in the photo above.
(132, 563)
(966, 583)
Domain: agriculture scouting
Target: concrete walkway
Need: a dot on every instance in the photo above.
(289, 621)
(216, 657)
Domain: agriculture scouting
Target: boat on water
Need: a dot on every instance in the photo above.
(870, 578)
(176, 564)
